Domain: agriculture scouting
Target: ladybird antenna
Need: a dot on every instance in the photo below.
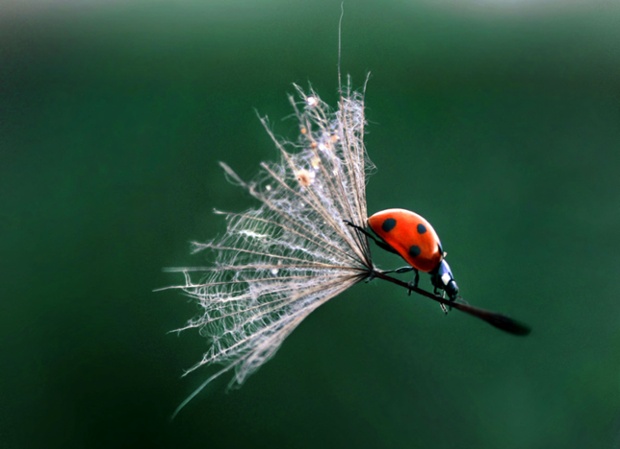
(495, 319)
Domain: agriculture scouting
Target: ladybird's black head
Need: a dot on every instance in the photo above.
(444, 279)
(452, 290)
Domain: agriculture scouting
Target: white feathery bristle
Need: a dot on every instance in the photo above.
(278, 262)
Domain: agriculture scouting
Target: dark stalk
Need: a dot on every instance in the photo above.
(497, 320)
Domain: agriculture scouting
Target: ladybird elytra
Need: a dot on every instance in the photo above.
(410, 235)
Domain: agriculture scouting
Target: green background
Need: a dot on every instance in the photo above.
(499, 121)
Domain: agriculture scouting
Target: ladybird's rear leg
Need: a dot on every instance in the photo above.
(371, 276)
(380, 243)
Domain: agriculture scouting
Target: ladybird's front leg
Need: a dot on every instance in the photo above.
(444, 308)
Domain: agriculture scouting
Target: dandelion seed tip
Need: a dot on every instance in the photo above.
(303, 130)
(304, 177)
(312, 101)
(315, 162)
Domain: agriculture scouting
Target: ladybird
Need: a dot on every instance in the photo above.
(409, 235)
(413, 238)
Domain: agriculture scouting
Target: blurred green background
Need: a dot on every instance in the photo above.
(499, 121)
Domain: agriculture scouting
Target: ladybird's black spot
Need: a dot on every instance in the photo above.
(388, 224)
(421, 228)
(414, 250)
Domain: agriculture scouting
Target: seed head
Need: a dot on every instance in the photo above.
(278, 262)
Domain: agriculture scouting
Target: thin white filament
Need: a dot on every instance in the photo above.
(280, 261)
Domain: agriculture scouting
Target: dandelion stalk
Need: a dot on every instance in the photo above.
(277, 263)
(495, 319)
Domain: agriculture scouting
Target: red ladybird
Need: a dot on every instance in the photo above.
(413, 238)
(410, 235)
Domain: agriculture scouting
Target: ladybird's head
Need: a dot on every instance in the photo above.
(444, 279)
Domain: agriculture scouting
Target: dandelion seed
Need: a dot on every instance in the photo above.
(252, 234)
(304, 177)
(275, 271)
(304, 244)
(280, 261)
(312, 101)
(315, 162)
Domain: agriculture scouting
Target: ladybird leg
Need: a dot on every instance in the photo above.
(443, 295)
(414, 284)
(381, 244)
(371, 276)
(400, 270)
(362, 230)
(443, 306)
